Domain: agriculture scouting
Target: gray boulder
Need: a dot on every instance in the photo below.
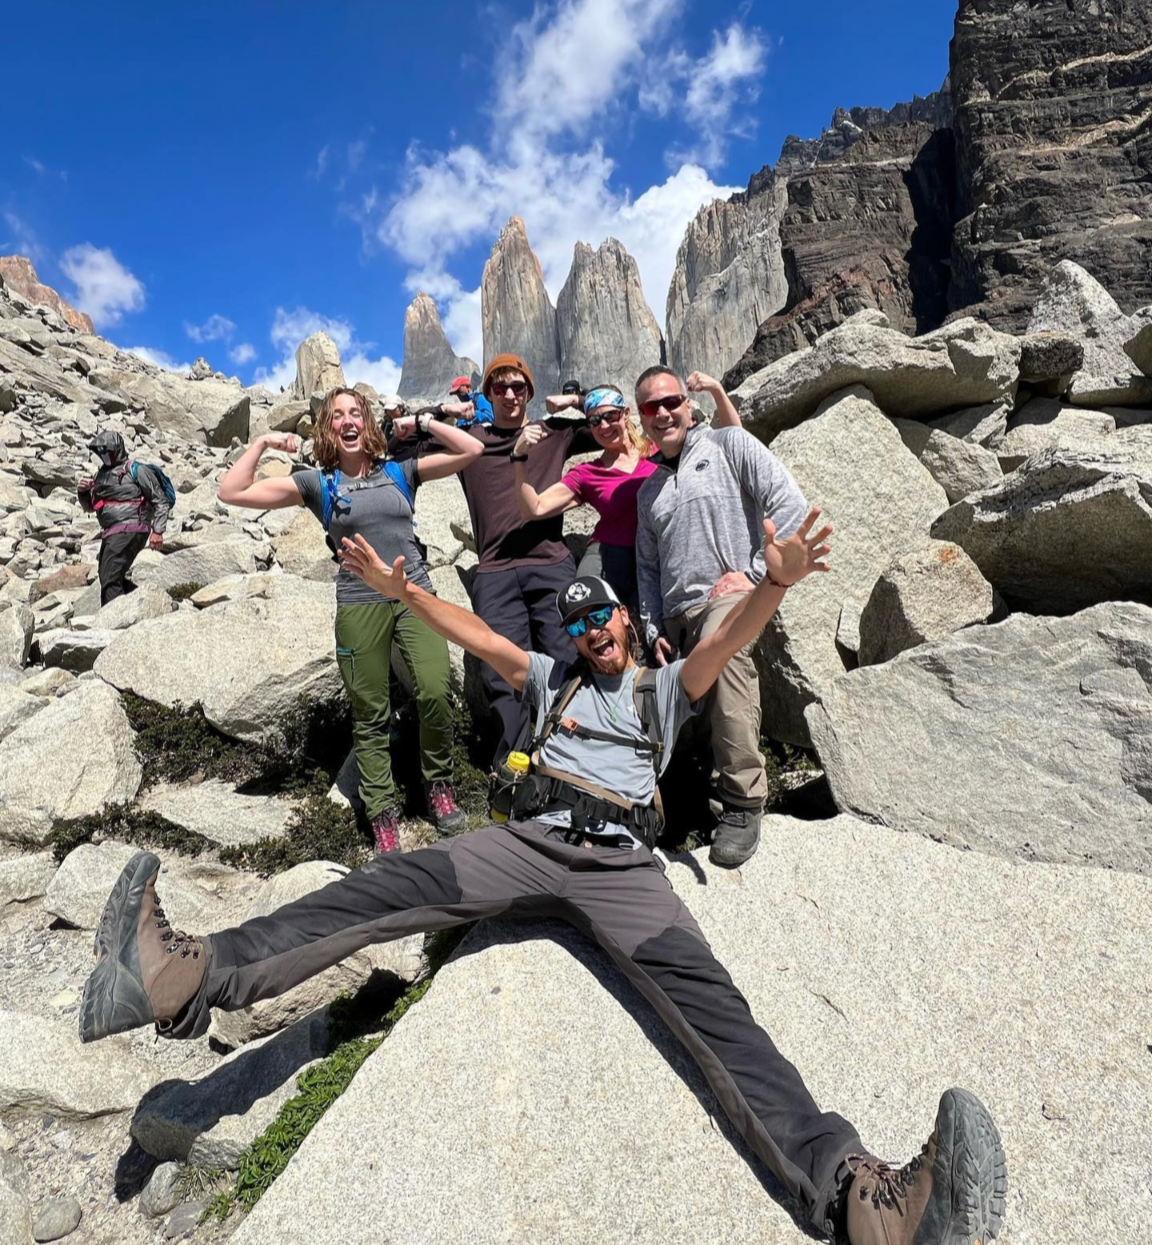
(208, 411)
(16, 629)
(1139, 346)
(1050, 358)
(71, 759)
(1024, 739)
(247, 662)
(302, 548)
(220, 813)
(979, 425)
(203, 564)
(236, 588)
(45, 1069)
(162, 1192)
(73, 650)
(25, 877)
(924, 594)
(1046, 424)
(961, 365)
(16, 706)
(210, 1122)
(1064, 530)
(850, 461)
(550, 1069)
(56, 1219)
(1074, 301)
(959, 467)
(148, 601)
(201, 895)
(402, 958)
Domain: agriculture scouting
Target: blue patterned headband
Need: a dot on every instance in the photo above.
(603, 397)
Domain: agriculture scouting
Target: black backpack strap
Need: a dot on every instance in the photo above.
(551, 723)
(644, 697)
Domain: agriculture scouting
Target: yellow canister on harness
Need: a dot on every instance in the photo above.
(515, 768)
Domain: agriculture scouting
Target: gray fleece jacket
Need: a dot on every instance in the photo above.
(702, 517)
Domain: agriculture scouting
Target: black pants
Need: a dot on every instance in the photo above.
(619, 898)
(117, 553)
(520, 605)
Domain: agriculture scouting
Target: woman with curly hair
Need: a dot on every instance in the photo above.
(357, 489)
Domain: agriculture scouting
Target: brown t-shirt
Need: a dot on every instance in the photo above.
(503, 539)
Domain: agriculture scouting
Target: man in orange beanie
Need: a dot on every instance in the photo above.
(522, 564)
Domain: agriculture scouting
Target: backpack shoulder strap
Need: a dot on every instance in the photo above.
(396, 474)
(329, 492)
(644, 697)
(560, 702)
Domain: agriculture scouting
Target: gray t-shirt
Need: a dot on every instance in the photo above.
(377, 509)
(608, 705)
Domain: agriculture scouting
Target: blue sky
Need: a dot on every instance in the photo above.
(225, 178)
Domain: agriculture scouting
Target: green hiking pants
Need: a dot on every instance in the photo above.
(364, 635)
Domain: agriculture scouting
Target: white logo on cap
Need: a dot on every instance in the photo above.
(579, 592)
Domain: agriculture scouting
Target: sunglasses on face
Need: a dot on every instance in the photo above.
(670, 402)
(518, 387)
(613, 415)
(594, 618)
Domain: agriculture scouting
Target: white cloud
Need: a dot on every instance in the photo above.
(215, 328)
(243, 353)
(22, 239)
(105, 289)
(290, 328)
(33, 163)
(549, 163)
(317, 170)
(159, 358)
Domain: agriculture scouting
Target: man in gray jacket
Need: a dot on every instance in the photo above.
(132, 507)
(698, 554)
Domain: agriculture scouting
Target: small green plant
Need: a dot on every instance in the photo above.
(320, 1086)
(181, 592)
(196, 1183)
(178, 744)
(126, 824)
(319, 829)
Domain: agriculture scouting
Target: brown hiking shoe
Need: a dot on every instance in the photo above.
(146, 971)
(952, 1193)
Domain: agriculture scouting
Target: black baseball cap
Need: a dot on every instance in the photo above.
(584, 594)
(571, 386)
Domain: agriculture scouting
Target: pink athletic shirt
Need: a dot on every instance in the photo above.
(612, 494)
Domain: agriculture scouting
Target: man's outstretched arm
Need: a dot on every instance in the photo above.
(458, 625)
(788, 561)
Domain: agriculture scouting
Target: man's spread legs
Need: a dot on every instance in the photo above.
(147, 973)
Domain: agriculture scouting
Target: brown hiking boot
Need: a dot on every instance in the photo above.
(146, 971)
(952, 1193)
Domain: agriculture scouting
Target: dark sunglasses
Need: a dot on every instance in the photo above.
(670, 402)
(518, 387)
(613, 416)
(594, 618)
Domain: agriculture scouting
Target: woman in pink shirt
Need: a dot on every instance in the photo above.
(610, 484)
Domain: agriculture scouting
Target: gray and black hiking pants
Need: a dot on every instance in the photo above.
(618, 897)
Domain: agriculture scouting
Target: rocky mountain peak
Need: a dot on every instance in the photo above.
(18, 273)
(606, 329)
(318, 366)
(517, 314)
(430, 363)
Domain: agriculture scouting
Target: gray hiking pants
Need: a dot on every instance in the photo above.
(619, 898)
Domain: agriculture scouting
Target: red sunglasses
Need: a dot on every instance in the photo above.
(670, 402)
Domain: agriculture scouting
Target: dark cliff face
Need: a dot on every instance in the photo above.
(867, 225)
(1053, 132)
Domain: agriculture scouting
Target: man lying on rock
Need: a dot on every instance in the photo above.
(577, 846)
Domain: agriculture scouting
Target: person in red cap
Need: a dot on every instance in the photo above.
(523, 563)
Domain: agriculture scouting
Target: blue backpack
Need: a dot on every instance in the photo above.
(330, 485)
(166, 484)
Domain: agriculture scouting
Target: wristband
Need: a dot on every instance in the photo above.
(517, 458)
(776, 583)
(424, 422)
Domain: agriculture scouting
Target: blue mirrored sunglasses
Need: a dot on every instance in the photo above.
(594, 618)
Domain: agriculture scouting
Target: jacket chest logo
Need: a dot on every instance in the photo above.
(703, 464)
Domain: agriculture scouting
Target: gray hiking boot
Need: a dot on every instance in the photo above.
(146, 971)
(736, 837)
(952, 1193)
